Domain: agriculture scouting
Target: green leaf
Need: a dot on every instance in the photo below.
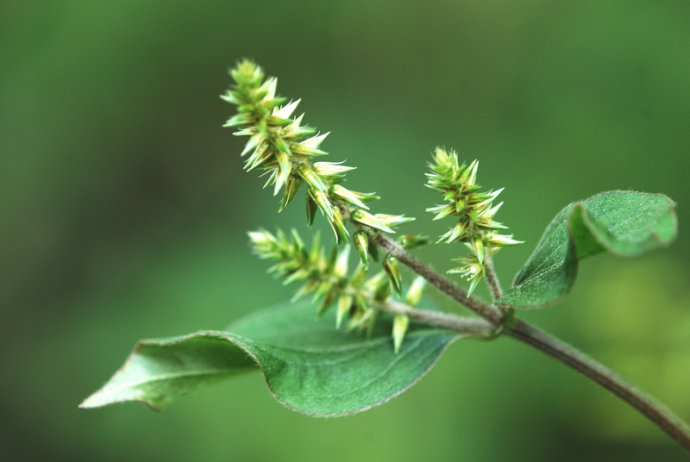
(626, 223)
(309, 365)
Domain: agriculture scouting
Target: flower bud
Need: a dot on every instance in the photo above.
(341, 263)
(311, 209)
(284, 169)
(380, 285)
(310, 146)
(393, 220)
(362, 244)
(285, 112)
(323, 202)
(354, 198)
(327, 302)
(367, 219)
(292, 185)
(390, 265)
(338, 226)
(414, 293)
(410, 241)
(344, 306)
(400, 325)
(331, 169)
(311, 178)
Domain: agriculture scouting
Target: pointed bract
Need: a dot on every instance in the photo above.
(361, 241)
(414, 293)
(311, 209)
(400, 325)
(367, 219)
(390, 265)
(410, 241)
(285, 112)
(291, 187)
(344, 306)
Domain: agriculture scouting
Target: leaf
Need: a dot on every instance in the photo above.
(626, 223)
(309, 366)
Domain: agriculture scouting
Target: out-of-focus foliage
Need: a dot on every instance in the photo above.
(124, 211)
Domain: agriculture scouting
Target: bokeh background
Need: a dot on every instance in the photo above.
(123, 212)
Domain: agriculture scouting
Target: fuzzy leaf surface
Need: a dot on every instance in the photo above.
(309, 366)
(626, 223)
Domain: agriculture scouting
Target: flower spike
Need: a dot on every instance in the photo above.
(284, 149)
(475, 226)
(329, 279)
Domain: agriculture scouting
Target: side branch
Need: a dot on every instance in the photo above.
(435, 279)
(492, 278)
(465, 325)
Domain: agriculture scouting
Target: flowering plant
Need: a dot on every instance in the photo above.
(381, 335)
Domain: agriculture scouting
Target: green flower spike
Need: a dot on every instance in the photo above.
(473, 209)
(328, 279)
(284, 149)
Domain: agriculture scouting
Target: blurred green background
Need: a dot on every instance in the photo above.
(124, 210)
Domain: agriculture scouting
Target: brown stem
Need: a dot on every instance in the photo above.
(465, 325)
(435, 279)
(655, 411)
(659, 414)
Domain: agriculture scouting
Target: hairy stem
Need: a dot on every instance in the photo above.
(670, 423)
(482, 309)
(492, 277)
(465, 325)
(655, 411)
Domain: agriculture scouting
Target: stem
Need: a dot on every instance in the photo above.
(492, 277)
(482, 309)
(655, 411)
(247, 93)
(659, 414)
(464, 325)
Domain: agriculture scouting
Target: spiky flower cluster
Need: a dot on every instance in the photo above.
(285, 150)
(358, 298)
(473, 208)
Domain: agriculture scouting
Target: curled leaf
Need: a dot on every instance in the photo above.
(301, 358)
(625, 223)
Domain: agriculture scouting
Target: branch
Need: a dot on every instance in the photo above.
(492, 277)
(655, 411)
(464, 325)
(279, 144)
(435, 279)
(659, 414)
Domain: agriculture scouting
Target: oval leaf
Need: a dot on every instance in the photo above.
(309, 366)
(626, 223)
